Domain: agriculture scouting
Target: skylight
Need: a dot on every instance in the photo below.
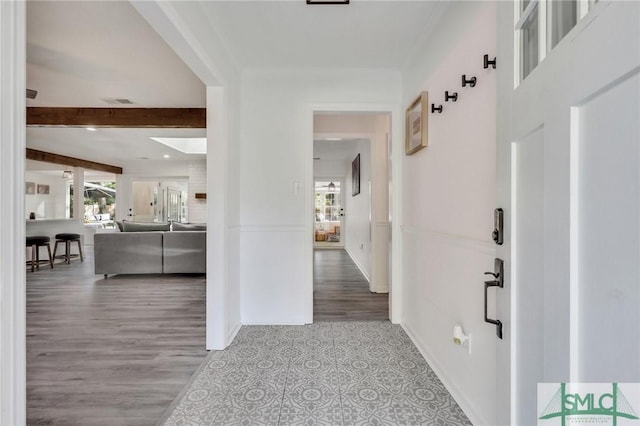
(186, 145)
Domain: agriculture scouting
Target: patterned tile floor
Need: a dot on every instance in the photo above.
(328, 373)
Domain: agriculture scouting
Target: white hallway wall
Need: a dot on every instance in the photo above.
(47, 206)
(449, 197)
(276, 152)
(357, 208)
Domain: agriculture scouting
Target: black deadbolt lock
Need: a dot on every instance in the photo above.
(498, 227)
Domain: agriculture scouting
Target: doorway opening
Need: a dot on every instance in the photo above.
(328, 214)
(351, 221)
(159, 201)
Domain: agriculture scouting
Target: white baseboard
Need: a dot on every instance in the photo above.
(232, 334)
(466, 405)
(355, 260)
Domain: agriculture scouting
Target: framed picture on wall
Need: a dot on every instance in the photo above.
(43, 189)
(355, 176)
(416, 125)
(29, 188)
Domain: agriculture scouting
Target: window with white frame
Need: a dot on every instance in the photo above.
(542, 24)
(529, 39)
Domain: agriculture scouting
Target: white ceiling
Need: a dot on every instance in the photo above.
(292, 34)
(341, 150)
(84, 53)
(56, 170)
(109, 145)
(81, 53)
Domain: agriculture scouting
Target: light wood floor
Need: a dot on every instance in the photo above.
(109, 352)
(341, 292)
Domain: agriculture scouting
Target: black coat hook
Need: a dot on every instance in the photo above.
(435, 109)
(471, 81)
(453, 97)
(488, 62)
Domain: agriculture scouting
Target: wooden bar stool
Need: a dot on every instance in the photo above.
(35, 243)
(67, 239)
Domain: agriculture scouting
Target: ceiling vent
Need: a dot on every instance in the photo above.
(31, 94)
(327, 1)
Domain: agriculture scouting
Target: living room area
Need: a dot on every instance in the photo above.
(116, 148)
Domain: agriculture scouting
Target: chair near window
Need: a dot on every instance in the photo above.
(333, 236)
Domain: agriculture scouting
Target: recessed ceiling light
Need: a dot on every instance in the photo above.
(91, 129)
(186, 145)
(166, 156)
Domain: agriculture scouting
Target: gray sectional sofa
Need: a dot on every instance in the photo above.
(150, 252)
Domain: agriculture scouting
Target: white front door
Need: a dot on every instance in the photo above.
(569, 181)
(145, 201)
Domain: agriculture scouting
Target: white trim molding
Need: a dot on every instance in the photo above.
(354, 258)
(465, 404)
(12, 219)
(481, 246)
(218, 308)
(272, 228)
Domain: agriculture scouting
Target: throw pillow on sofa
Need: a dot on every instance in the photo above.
(177, 226)
(128, 226)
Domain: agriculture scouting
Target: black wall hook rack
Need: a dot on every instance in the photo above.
(450, 97)
(488, 62)
(470, 81)
(435, 109)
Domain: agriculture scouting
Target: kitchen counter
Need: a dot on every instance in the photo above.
(51, 227)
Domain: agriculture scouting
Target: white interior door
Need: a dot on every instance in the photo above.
(569, 180)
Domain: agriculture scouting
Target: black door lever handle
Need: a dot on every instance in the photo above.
(495, 322)
(498, 274)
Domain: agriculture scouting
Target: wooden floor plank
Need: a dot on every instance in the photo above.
(109, 352)
(341, 292)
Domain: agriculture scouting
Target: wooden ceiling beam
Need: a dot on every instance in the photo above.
(33, 154)
(181, 118)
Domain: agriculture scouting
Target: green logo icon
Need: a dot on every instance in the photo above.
(566, 404)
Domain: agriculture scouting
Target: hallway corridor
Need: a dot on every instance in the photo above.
(341, 292)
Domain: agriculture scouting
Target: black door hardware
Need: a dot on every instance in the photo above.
(498, 281)
(453, 96)
(488, 62)
(435, 109)
(470, 81)
(498, 227)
